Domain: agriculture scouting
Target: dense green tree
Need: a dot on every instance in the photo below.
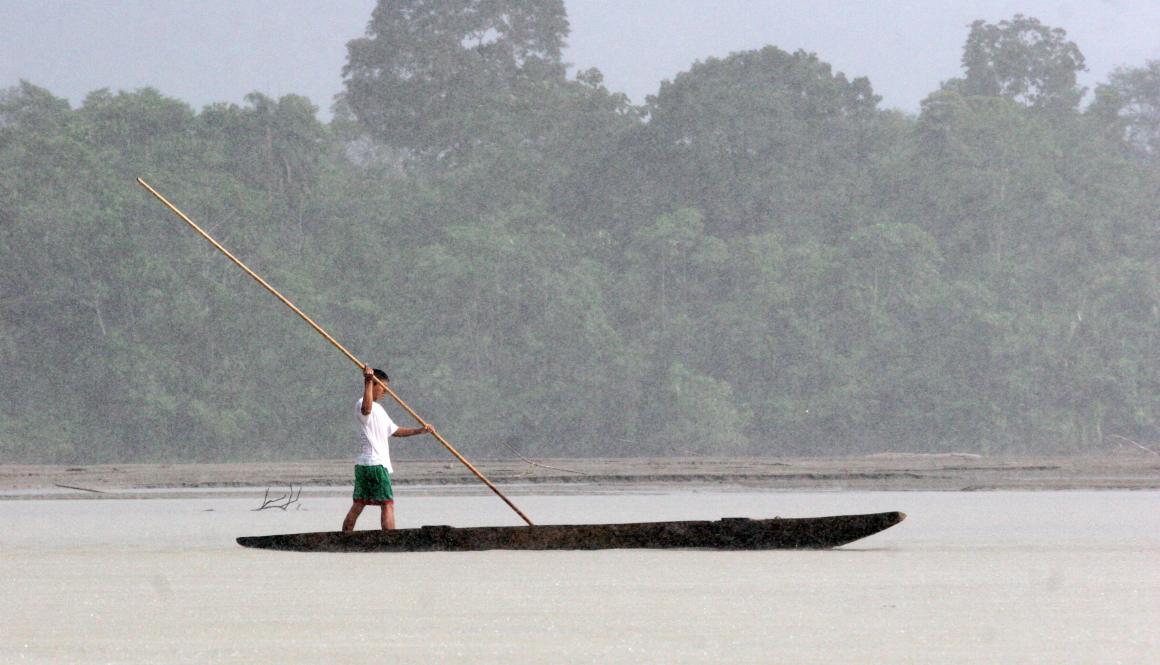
(515, 338)
(758, 261)
(762, 140)
(986, 173)
(445, 78)
(1023, 60)
(1130, 102)
(276, 146)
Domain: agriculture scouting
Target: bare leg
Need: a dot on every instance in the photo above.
(352, 516)
(388, 516)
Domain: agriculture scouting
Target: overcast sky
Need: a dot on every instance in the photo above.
(204, 51)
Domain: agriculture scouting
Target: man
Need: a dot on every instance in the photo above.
(372, 471)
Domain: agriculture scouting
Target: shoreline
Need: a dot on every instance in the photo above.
(880, 472)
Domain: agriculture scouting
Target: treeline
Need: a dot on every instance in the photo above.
(759, 260)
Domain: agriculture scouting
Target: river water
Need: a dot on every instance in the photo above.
(976, 577)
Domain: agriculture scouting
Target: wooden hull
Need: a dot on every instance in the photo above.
(725, 534)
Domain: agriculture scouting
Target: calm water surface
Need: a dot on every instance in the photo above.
(1004, 577)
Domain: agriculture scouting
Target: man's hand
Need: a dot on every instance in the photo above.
(368, 373)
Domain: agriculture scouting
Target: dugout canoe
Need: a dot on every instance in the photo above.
(731, 533)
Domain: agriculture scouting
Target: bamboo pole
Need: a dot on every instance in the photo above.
(335, 343)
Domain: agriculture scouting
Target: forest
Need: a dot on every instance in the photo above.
(758, 260)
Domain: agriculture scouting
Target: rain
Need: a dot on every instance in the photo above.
(624, 263)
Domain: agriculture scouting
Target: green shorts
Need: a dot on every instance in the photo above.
(372, 485)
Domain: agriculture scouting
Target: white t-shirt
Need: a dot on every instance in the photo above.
(375, 431)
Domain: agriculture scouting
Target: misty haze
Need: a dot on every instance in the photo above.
(758, 260)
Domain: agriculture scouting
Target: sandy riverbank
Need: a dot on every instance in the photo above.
(875, 472)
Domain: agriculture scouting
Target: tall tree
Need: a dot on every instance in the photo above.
(442, 77)
(275, 146)
(1130, 101)
(985, 168)
(761, 140)
(1023, 60)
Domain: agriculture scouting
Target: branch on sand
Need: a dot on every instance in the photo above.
(286, 499)
(83, 489)
(542, 466)
(1140, 446)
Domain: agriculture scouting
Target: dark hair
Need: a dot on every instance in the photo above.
(382, 375)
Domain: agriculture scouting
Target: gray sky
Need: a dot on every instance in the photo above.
(218, 50)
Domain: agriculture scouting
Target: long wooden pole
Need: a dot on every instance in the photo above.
(334, 342)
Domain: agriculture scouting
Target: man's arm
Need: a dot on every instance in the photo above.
(368, 396)
(412, 431)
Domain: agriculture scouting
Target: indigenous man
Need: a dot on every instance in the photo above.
(372, 471)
